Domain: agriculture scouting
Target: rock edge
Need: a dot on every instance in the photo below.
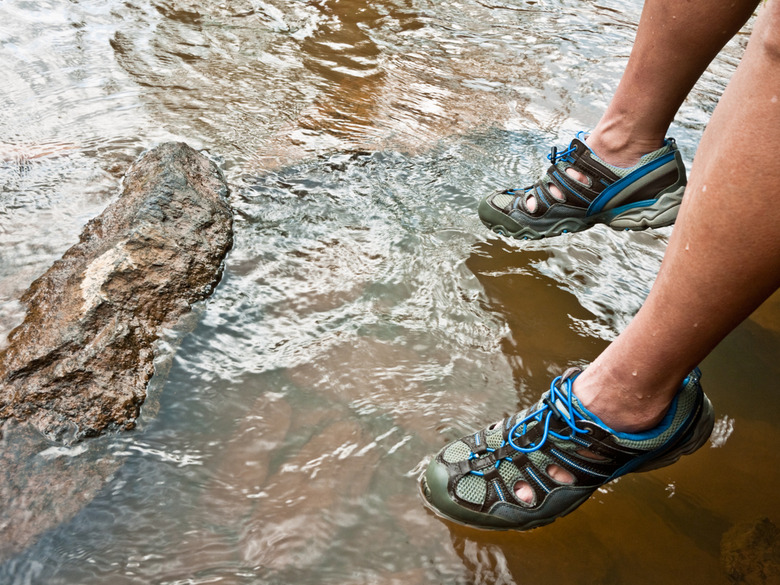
(80, 362)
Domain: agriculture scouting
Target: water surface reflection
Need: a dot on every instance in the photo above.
(365, 316)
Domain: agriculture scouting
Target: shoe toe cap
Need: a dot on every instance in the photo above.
(434, 485)
(435, 489)
(493, 216)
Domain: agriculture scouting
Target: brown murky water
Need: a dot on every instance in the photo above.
(365, 317)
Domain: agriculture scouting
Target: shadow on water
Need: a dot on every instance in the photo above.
(540, 315)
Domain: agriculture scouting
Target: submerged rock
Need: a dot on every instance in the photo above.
(44, 485)
(750, 553)
(80, 362)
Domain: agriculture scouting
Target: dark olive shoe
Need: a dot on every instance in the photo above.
(472, 481)
(647, 195)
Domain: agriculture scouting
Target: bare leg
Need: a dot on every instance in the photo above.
(675, 42)
(723, 257)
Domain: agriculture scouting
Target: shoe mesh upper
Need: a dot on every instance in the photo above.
(540, 460)
(457, 451)
(509, 473)
(471, 488)
(495, 437)
(503, 201)
(650, 157)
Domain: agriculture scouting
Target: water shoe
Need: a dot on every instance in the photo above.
(472, 480)
(647, 195)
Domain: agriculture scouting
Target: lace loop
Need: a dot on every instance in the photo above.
(555, 156)
(560, 392)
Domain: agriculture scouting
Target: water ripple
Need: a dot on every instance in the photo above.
(365, 316)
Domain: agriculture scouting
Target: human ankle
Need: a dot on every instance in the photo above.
(621, 147)
(622, 404)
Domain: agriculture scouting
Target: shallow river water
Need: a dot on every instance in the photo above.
(365, 316)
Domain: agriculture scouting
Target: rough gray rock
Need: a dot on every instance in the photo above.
(80, 362)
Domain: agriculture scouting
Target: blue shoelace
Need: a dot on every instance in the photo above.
(560, 391)
(555, 156)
